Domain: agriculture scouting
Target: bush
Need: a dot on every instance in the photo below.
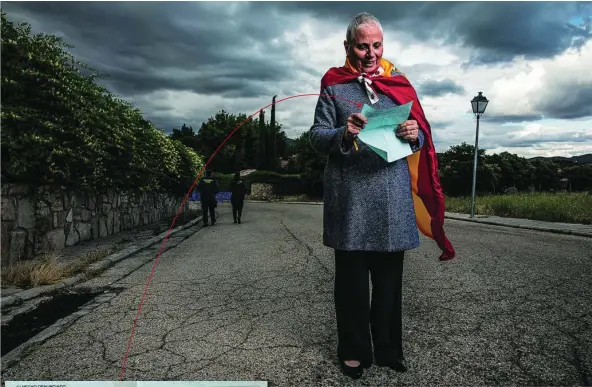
(568, 208)
(187, 165)
(224, 179)
(60, 127)
(283, 184)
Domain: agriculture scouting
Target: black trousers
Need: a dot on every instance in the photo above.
(208, 207)
(237, 208)
(362, 325)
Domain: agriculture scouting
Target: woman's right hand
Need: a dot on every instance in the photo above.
(355, 123)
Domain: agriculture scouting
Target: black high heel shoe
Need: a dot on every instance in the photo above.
(352, 372)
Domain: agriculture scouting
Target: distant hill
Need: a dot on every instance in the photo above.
(583, 159)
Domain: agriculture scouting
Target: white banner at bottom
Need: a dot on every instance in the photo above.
(136, 384)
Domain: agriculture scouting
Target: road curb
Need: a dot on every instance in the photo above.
(94, 269)
(280, 202)
(520, 226)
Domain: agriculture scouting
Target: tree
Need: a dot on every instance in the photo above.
(273, 130)
(456, 171)
(310, 164)
(262, 142)
(282, 145)
(546, 175)
(579, 176)
(247, 148)
(513, 171)
(186, 136)
(239, 151)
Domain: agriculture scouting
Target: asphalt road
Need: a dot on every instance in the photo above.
(255, 302)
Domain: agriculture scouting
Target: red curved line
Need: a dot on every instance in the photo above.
(129, 344)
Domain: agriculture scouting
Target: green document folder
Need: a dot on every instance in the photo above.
(379, 132)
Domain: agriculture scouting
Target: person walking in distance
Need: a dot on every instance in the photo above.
(208, 188)
(237, 198)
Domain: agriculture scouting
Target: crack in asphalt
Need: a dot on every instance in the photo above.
(311, 253)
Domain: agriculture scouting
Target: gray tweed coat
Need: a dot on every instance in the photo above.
(368, 204)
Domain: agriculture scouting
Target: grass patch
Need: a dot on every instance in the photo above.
(48, 269)
(559, 207)
(44, 271)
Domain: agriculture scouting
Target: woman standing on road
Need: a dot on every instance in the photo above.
(237, 198)
(372, 208)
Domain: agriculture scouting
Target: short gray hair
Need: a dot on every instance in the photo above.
(360, 20)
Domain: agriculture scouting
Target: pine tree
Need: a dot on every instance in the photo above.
(272, 143)
(262, 142)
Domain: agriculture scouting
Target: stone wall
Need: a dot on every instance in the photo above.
(262, 191)
(50, 218)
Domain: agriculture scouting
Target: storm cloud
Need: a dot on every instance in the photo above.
(179, 62)
(568, 102)
(145, 46)
(496, 31)
(440, 88)
(513, 136)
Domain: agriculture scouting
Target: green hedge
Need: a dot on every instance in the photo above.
(224, 179)
(283, 184)
(60, 127)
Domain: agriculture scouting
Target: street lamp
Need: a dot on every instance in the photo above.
(479, 103)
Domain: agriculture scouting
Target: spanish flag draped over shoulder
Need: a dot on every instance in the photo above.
(428, 198)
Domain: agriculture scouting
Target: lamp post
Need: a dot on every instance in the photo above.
(479, 103)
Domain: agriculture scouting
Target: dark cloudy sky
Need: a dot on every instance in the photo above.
(181, 62)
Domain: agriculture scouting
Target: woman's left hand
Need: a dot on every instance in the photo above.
(408, 130)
